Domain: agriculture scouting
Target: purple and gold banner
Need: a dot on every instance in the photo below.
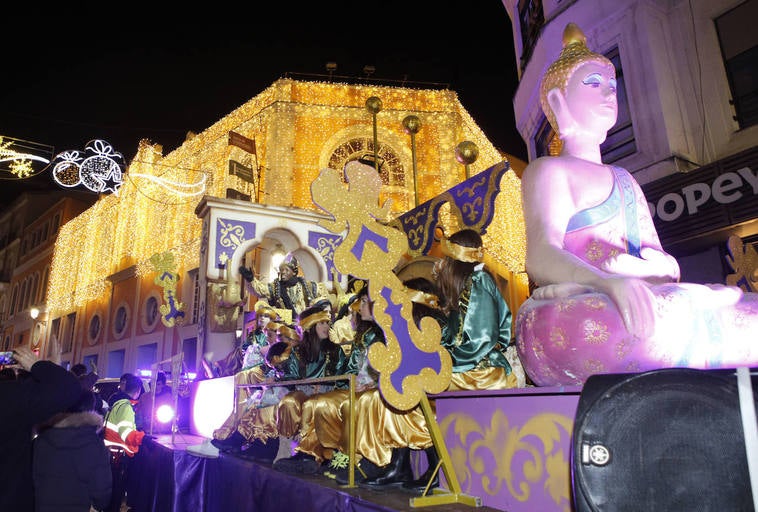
(472, 201)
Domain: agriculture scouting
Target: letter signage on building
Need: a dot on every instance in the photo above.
(716, 196)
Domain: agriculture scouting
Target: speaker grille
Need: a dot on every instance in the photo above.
(673, 438)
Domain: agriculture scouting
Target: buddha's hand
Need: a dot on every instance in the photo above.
(560, 290)
(653, 265)
(635, 303)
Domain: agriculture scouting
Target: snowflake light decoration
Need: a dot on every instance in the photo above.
(19, 163)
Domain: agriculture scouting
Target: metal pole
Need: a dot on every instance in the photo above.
(412, 125)
(374, 106)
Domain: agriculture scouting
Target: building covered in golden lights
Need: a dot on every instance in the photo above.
(128, 287)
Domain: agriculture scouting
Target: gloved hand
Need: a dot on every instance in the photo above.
(135, 437)
(246, 273)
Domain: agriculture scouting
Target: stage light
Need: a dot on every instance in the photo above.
(164, 413)
(212, 402)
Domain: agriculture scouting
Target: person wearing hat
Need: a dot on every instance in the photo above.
(328, 410)
(257, 340)
(317, 356)
(476, 331)
(226, 436)
(289, 290)
(294, 356)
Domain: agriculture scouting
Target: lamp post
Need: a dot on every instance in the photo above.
(466, 153)
(38, 331)
(374, 106)
(412, 125)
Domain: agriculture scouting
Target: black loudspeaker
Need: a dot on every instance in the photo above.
(665, 440)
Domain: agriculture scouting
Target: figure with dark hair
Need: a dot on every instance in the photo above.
(46, 389)
(149, 403)
(330, 410)
(120, 393)
(256, 418)
(71, 465)
(317, 356)
(78, 369)
(478, 330)
(278, 412)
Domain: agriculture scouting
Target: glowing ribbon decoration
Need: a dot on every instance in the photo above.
(175, 187)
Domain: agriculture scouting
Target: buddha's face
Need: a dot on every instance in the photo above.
(591, 97)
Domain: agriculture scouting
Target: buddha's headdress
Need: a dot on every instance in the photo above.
(574, 54)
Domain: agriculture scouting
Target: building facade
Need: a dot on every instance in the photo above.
(151, 272)
(29, 228)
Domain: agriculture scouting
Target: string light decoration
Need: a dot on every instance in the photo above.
(21, 158)
(175, 187)
(99, 172)
(297, 126)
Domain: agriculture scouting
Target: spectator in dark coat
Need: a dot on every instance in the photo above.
(71, 465)
(47, 389)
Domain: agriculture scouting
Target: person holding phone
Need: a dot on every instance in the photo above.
(47, 390)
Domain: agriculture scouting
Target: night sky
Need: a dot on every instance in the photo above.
(124, 75)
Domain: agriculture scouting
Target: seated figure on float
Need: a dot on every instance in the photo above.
(608, 297)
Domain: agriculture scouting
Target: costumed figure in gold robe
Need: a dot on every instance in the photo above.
(288, 291)
(476, 331)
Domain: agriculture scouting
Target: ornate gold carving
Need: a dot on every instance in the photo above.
(527, 458)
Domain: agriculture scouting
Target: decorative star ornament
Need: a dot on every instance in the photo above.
(100, 169)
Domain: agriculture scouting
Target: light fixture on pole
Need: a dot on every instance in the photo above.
(412, 125)
(374, 106)
(34, 312)
(466, 153)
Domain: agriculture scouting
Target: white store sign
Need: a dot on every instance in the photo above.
(726, 188)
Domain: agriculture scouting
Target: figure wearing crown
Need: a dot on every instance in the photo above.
(608, 297)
